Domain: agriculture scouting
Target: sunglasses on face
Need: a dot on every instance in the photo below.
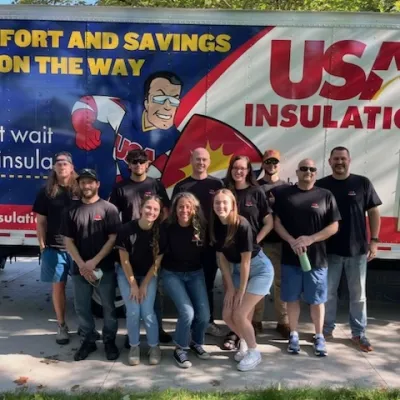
(306, 169)
(138, 161)
(271, 161)
(162, 100)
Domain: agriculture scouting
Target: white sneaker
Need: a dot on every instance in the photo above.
(242, 351)
(134, 356)
(250, 360)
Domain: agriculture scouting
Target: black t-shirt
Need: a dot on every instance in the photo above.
(89, 226)
(203, 189)
(305, 212)
(253, 205)
(53, 208)
(183, 252)
(243, 241)
(354, 196)
(269, 189)
(127, 196)
(138, 243)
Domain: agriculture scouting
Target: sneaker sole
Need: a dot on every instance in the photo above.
(133, 362)
(291, 351)
(154, 362)
(321, 353)
(187, 365)
(62, 341)
(90, 352)
(248, 367)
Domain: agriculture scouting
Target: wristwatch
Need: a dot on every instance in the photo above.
(375, 239)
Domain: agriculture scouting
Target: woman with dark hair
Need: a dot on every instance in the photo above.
(140, 256)
(253, 205)
(252, 273)
(183, 277)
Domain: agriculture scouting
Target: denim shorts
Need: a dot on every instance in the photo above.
(312, 284)
(261, 275)
(55, 265)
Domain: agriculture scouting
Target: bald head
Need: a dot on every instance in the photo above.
(307, 162)
(200, 161)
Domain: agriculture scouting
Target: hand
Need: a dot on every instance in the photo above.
(229, 297)
(83, 119)
(41, 248)
(88, 275)
(300, 244)
(135, 292)
(238, 298)
(142, 292)
(90, 265)
(373, 248)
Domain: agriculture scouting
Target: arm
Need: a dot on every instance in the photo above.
(268, 222)
(374, 227)
(73, 252)
(224, 266)
(325, 233)
(41, 229)
(152, 270)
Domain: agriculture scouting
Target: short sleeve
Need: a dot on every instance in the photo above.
(244, 238)
(67, 225)
(162, 193)
(332, 210)
(371, 197)
(113, 221)
(40, 205)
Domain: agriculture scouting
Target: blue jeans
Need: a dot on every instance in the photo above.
(188, 292)
(83, 291)
(356, 274)
(135, 311)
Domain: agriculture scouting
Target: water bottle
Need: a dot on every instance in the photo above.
(305, 262)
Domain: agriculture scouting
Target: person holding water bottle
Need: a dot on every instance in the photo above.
(306, 216)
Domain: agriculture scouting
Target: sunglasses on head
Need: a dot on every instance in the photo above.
(138, 161)
(306, 169)
(272, 161)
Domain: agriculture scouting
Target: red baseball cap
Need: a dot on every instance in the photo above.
(272, 153)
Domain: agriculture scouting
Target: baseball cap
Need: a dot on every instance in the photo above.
(87, 173)
(62, 156)
(272, 153)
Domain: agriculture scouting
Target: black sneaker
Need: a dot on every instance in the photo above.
(199, 351)
(164, 337)
(84, 351)
(112, 352)
(181, 358)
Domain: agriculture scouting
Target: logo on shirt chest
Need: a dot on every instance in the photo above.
(212, 192)
(97, 217)
(249, 203)
(352, 193)
(147, 194)
(314, 205)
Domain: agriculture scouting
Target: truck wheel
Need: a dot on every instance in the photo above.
(3, 261)
(97, 308)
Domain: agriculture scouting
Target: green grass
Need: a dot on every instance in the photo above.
(268, 394)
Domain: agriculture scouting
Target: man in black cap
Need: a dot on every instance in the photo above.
(58, 194)
(90, 229)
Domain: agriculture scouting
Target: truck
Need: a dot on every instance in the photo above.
(100, 81)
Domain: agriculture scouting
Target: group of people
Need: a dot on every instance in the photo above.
(151, 246)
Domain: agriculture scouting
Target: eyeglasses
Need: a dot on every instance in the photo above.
(138, 161)
(272, 161)
(239, 169)
(306, 169)
(162, 100)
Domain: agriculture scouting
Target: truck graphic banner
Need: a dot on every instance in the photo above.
(100, 89)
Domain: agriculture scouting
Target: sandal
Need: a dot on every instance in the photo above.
(231, 341)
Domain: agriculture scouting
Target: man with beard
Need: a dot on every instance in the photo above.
(349, 250)
(306, 216)
(127, 196)
(272, 245)
(203, 187)
(90, 229)
(59, 193)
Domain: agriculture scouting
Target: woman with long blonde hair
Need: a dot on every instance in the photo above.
(183, 277)
(251, 278)
(140, 254)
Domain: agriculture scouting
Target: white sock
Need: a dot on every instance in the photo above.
(243, 346)
(319, 335)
